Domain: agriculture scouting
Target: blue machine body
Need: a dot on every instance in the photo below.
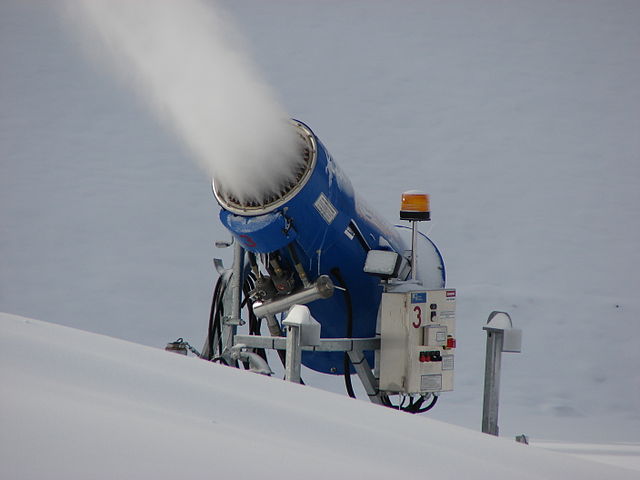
(331, 230)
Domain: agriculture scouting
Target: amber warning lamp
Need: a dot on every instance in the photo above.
(415, 206)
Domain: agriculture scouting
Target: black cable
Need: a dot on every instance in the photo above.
(347, 376)
(415, 407)
(217, 321)
(212, 317)
(428, 407)
(385, 400)
(210, 325)
(347, 298)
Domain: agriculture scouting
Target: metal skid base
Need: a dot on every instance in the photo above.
(354, 347)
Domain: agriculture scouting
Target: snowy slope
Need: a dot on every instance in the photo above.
(80, 405)
(520, 118)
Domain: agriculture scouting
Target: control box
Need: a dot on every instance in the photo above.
(418, 341)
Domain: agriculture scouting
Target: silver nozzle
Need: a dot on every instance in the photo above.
(322, 288)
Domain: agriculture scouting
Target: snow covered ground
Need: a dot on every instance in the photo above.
(81, 405)
(520, 118)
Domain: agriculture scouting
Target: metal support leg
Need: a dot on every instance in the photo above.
(366, 376)
(231, 320)
(236, 281)
(275, 331)
(294, 354)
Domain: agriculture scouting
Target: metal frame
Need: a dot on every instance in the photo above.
(234, 345)
(354, 347)
(326, 344)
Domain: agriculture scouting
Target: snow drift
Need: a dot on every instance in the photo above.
(520, 118)
(77, 405)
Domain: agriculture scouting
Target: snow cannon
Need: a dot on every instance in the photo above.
(316, 243)
(316, 231)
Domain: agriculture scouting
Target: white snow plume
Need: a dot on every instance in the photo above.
(187, 61)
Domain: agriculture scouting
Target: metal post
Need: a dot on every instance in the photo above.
(236, 281)
(231, 322)
(294, 354)
(501, 337)
(492, 382)
(414, 250)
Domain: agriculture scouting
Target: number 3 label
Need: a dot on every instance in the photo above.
(418, 321)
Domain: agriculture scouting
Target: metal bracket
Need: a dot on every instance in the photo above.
(369, 381)
(326, 344)
(354, 347)
(235, 322)
(219, 266)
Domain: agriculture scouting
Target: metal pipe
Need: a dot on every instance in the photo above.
(414, 250)
(322, 288)
(493, 363)
(501, 337)
(236, 281)
(298, 266)
(230, 322)
(294, 354)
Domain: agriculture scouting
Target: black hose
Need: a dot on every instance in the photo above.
(415, 407)
(347, 299)
(214, 318)
(347, 376)
(428, 407)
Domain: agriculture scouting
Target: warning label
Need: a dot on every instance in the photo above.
(325, 208)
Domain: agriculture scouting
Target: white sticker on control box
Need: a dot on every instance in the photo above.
(447, 362)
(431, 383)
(447, 315)
(435, 335)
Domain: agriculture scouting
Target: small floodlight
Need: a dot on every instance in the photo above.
(383, 263)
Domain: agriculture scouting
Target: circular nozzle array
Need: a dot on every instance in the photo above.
(291, 184)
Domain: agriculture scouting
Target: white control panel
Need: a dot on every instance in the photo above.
(417, 341)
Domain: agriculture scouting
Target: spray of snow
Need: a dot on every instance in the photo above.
(189, 64)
